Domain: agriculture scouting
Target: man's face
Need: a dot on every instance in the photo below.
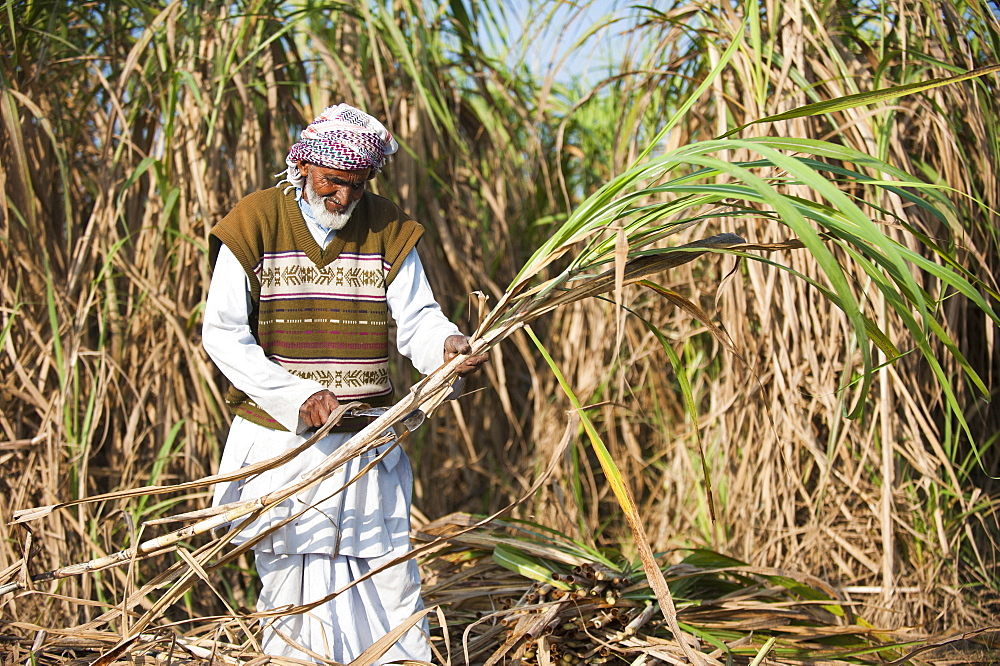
(335, 188)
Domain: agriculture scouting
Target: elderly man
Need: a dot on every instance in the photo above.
(305, 277)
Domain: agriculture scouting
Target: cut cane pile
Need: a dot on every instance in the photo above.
(578, 624)
(577, 612)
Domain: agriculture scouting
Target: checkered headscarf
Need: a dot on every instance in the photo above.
(342, 137)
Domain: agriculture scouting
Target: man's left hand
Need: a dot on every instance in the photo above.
(459, 344)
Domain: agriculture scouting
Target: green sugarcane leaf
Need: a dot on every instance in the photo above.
(529, 567)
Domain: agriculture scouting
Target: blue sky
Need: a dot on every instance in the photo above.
(549, 35)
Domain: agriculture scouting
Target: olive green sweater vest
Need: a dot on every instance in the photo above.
(321, 314)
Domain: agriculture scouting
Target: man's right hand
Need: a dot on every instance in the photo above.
(317, 408)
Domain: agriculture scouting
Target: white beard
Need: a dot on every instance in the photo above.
(324, 218)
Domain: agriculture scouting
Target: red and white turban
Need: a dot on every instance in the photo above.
(344, 138)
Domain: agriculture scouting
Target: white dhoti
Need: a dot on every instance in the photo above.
(339, 537)
(371, 609)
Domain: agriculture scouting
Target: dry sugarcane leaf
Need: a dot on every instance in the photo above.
(382, 645)
(946, 641)
(116, 652)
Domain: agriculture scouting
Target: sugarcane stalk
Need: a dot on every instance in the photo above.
(225, 514)
(647, 613)
(148, 548)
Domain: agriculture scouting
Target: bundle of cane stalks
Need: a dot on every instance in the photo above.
(585, 618)
(514, 593)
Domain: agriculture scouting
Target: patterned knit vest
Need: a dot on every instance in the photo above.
(321, 314)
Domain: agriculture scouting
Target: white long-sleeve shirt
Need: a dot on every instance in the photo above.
(370, 517)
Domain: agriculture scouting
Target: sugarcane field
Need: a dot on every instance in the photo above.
(495, 333)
